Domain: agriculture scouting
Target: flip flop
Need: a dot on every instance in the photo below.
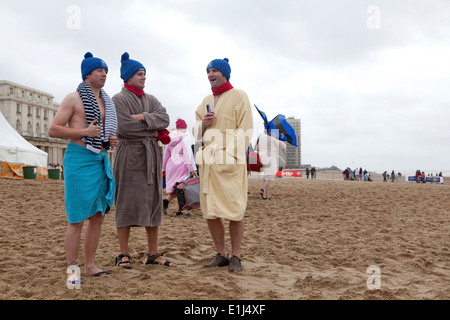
(104, 272)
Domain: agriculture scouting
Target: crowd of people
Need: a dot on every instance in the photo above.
(359, 174)
(135, 124)
(391, 177)
(356, 174)
(54, 166)
(421, 177)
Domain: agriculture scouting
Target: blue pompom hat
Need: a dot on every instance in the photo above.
(222, 65)
(129, 67)
(90, 63)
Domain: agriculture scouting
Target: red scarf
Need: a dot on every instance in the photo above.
(163, 135)
(137, 91)
(217, 91)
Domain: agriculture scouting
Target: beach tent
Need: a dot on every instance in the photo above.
(15, 149)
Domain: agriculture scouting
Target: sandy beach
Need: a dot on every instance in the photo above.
(314, 240)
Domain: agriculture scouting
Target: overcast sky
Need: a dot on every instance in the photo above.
(369, 79)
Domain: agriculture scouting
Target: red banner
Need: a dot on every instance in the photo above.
(290, 173)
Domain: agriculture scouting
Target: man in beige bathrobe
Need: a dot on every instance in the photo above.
(138, 162)
(226, 130)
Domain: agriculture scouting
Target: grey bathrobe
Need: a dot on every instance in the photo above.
(138, 162)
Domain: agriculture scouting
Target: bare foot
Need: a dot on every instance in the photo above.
(158, 259)
(161, 260)
(95, 272)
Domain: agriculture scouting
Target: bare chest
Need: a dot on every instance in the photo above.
(79, 116)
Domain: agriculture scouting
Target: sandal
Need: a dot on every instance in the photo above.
(120, 262)
(267, 198)
(151, 260)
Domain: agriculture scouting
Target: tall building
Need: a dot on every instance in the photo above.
(293, 154)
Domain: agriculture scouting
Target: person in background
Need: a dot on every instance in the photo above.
(313, 173)
(178, 162)
(269, 151)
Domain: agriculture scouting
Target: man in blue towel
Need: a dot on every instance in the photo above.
(87, 118)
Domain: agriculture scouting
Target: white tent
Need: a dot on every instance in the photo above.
(15, 149)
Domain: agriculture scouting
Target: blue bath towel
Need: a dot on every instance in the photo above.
(89, 183)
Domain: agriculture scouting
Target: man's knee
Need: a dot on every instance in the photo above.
(97, 218)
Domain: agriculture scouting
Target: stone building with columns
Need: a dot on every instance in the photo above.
(30, 112)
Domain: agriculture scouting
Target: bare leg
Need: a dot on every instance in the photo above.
(171, 196)
(72, 242)
(152, 237)
(266, 186)
(123, 234)
(236, 234)
(91, 240)
(217, 230)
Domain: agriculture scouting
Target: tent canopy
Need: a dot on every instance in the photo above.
(15, 149)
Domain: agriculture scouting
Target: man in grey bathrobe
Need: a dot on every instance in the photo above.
(138, 162)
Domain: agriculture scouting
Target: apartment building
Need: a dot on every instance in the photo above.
(294, 154)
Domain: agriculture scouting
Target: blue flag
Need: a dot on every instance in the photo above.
(280, 128)
(263, 115)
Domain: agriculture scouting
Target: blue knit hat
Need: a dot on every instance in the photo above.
(90, 63)
(129, 67)
(222, 65)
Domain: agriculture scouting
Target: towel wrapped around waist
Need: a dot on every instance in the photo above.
(89, 183)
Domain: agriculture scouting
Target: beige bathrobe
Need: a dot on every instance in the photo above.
(138, 161)
(222, 159)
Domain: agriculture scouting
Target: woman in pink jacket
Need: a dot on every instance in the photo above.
(178, 162)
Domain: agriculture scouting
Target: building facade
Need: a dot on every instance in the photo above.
(31, 112)
(294, 154)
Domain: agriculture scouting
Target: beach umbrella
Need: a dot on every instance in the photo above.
(279, 127)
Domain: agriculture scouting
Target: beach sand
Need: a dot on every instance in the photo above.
(314, 240)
